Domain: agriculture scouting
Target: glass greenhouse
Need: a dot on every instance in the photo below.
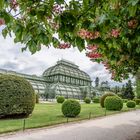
(65, 79)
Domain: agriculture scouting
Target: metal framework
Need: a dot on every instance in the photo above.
(65, 79)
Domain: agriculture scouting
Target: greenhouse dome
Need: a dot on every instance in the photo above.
(66, 79)
(67, 72)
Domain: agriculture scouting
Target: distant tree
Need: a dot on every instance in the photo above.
(123, 89)
(97, 82)
(128, 92)
(105, 86)
(117, 89)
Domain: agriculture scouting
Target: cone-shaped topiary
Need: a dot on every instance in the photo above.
(60, 99)
(102, 99)
(71, 108)
(113, 103)
(17, 97)
(131, 104)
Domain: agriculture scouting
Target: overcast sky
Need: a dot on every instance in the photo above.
(11, 58)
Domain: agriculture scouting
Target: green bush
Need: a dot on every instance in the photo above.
(125, 100)
(37, 98)
(131, 104)
(137, 101)
(113, 103)
(60, 99)
(87, 100)
(71, 108)
(96, 100)
(17, 97)
(102, 99)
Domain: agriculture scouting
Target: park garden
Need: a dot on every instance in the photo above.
(20, 108)
(107, 30)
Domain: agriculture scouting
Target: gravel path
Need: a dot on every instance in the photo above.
(116, 127)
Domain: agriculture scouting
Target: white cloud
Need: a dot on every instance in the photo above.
(12, 58)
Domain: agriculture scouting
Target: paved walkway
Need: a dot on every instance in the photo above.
(116, 127)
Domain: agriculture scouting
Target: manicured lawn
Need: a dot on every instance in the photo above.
(50, 114)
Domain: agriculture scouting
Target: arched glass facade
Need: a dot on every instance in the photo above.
(65, 79)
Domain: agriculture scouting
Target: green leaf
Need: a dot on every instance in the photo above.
(1, 4)
(7, 17)
(86, 3)
(80, 43)
(132, 10)
(4, 32)
(32, 46)
(55, 42)
(138, 49)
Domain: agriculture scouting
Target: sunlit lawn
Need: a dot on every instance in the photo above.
(50, 114)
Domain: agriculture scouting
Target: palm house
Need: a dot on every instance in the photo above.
(65, 79)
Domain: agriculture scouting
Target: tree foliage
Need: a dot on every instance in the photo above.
(97, 82)
(107, 29)
(128, 92)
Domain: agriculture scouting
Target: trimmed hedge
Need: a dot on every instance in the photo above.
(103, 97)
(113, 103)
(96, 100)
(131, 104)
(87, 100)
(17, 97)
(60, 99)
(137, 101)
(71, 108)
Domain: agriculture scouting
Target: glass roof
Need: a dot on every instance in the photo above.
(67, 68)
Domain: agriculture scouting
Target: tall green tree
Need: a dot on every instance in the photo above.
(123, 89)
(107, 29)
(128, 92)
(97, 82)
(117, 89)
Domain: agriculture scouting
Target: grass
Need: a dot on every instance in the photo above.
(50, 114)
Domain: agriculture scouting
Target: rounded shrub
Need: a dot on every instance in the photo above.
(96, 100)
(87, 100)
(17, 97)
(60, 99)
(113, 103)
(137, 101)
(103, 97)
(131, 104)
(71, 108)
